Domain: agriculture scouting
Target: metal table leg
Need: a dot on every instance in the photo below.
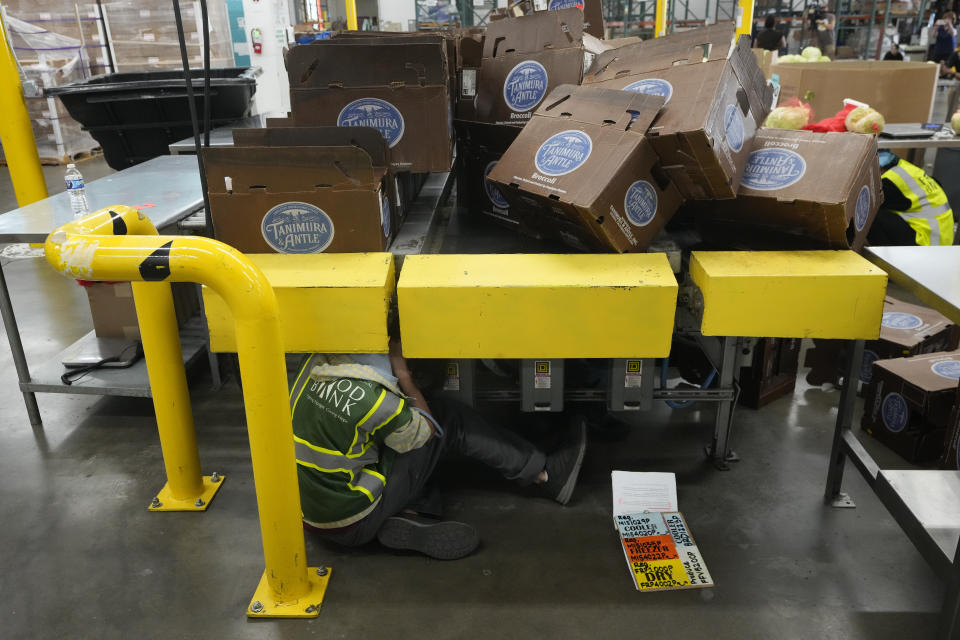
(838, 456)
(950, 614)
(16, 348)
(719, 451)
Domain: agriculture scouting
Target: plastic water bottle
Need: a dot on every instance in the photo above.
(78, 195)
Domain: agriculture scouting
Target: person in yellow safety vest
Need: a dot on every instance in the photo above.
(915, 209)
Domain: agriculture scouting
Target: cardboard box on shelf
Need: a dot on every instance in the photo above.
(908, 330)
(396, 85)
(951, 454)
(801, 190)
(716, 98)
(909, 401)
(281, 133)
(773, 372)
(583, 167)
(115, 314)
(901, 91)
(306, 199)
(479, 148)
(524, 59)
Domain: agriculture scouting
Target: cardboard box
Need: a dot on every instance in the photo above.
(469, 57)
(951, 453)
(524, 59)
(908, 330)
(583, 168)
(280, 132)
(773, 372)
(901, 91)
(716, 97)
(592, 12)
(479, 147)
(909, 401)
(765, 60)
(396, 85)
(447, 37)
(298, 199)
(115, 314)
(801, 190)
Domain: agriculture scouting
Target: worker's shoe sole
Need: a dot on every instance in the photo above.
(563, 465)
(443, 539)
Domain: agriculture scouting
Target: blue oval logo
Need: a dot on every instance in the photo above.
(491, 190)
(947, 369)
(525, 86)
(900, 320)
(563, 152)
(640, 203)
(895, 412)
(376, 113)
(863, 208)
(733, 127)
(564, 4)
(866, 365)
(385, 214)
(297, 227)
(653, 87)
(771, 169)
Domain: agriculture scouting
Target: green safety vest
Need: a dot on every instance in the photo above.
(339, 425)
(929, 214)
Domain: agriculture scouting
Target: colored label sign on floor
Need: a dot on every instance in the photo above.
(660, 551)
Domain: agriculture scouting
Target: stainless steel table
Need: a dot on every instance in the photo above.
(166, 189)
(926, 504)
(918, 148)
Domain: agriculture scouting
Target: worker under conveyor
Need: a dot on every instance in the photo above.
(915, 209)
(367, 443)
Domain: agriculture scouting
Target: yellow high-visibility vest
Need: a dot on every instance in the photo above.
(929, 214)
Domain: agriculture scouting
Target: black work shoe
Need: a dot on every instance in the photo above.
(440, 539)
(563, 465)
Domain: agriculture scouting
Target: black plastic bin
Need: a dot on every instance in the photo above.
(136, 116)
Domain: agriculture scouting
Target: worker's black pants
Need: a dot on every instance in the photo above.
(465, 432)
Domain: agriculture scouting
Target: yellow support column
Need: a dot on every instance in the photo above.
(88, 249)
(660, 21)
(351, 15)
(744, 17)
(186, 489)
(16, 132)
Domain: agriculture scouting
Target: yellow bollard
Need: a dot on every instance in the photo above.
(16, 131)
(660, 19)
(82, 249)
(186, 489)
(744, 20)
(351, 8)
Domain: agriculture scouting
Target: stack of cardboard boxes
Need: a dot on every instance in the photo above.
(371, 114)
(912, 375)
(624, 166)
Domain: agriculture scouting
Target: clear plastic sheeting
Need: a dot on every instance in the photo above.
(47, 59)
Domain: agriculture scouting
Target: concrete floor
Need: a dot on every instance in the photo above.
(84, 559)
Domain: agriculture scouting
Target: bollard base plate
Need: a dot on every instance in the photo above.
(169, 503)
(307, 606)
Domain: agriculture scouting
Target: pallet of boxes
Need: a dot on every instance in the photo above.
(370, 116)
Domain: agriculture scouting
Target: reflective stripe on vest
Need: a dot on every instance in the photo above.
(387, 407)
(366, 481)
(935, 216)
(301, 382)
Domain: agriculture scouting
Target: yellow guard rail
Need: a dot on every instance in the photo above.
(119, 243)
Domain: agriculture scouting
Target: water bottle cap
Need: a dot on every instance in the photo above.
(71, 166)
